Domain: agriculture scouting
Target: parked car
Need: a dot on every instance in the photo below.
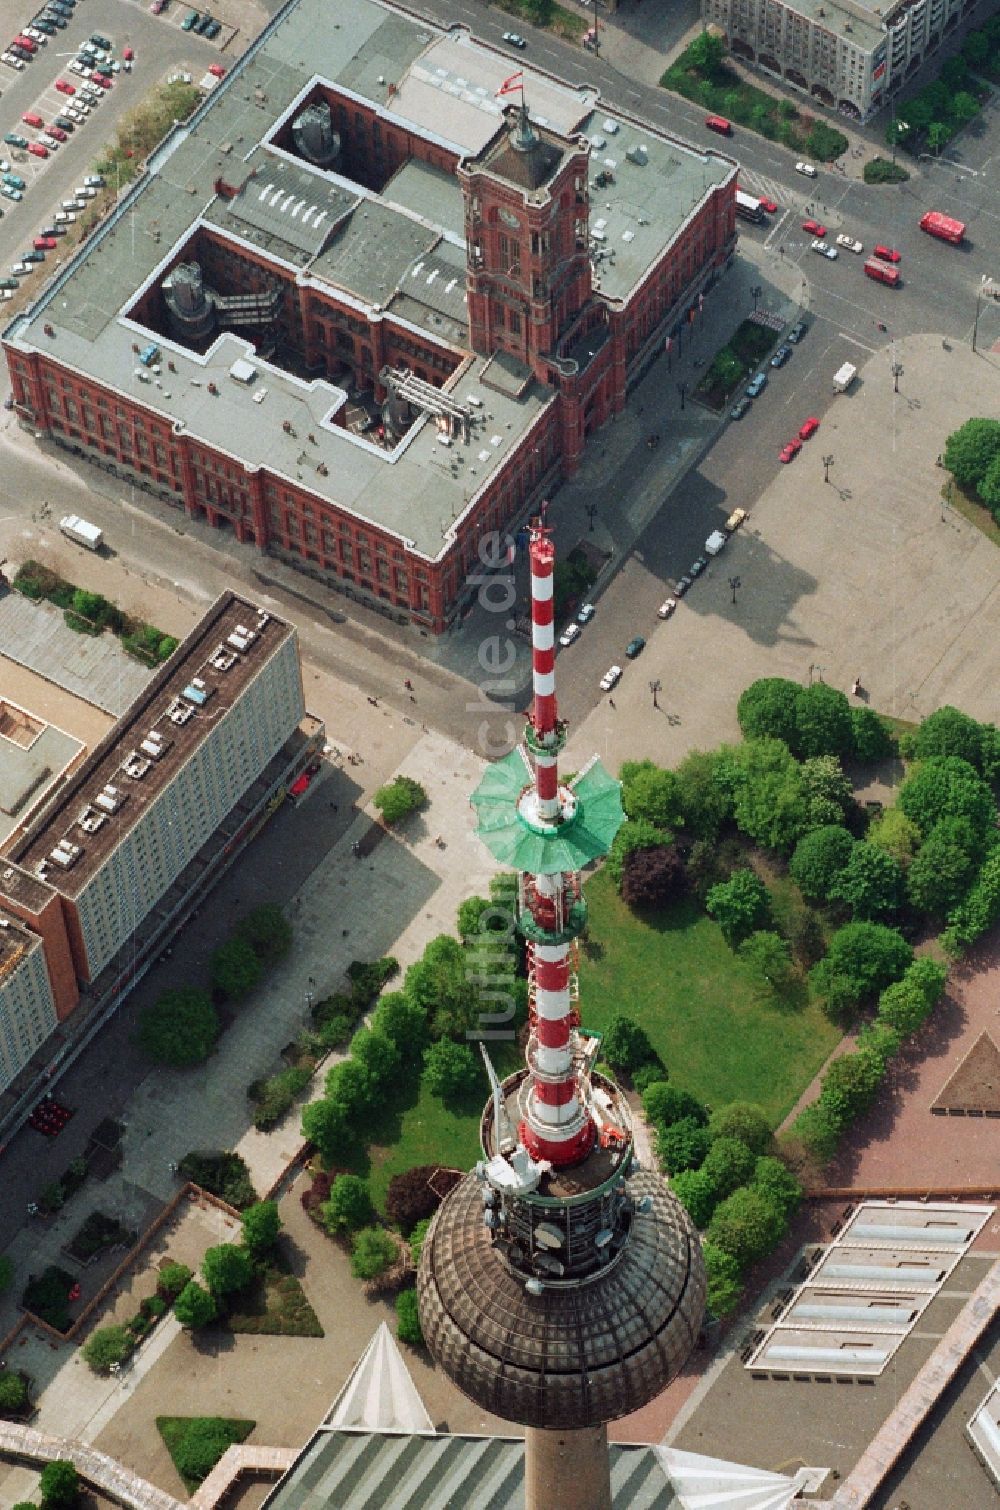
(734, 521)
(756, 385)
(103, 42)
(85, 192)
(569, 634)
(156, 7)
(22, 269)
(43, 24)
(797, 332)
(514, 39)
(681, 586)
(64, 217)
(83, 69)
(33, 256)
(212, 30)
(781, 356)
(202, 24)
(48, 140)
(789, 452)
(806, 169)
(28, 43)
(825, 251)
(586, 613)
(9, 193)
(742, 406)
(809, 429)
(887, 253)
(611, 678)
(697, 567)
(36, 35)
(769, 205)
(64, 123)
(32, 118)
(9, 283)
(94, 181)
(813, 228)
(45, 243)
(666, 608)
(65, 87)
(850, 243)
(190, 20)
(37, 150)
(55, 19)
(635, 647)
(103, 80)
(53, 230)
(12, 62)
(217, 70)
(14, 140)
(57, 133)
(21, 54)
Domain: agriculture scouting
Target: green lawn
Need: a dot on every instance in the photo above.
(275, 1304)
(196, 1443)
(420, 1129)
(700, 1006)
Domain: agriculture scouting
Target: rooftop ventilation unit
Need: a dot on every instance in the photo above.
(133, 765)
(90, 821)
(263, 619)
(221, 658)
(42, 869)
(110, 799)
(198, 691)
(241, 638)
(66, 854)
(638, 155)
(179, 712)
(611, 127)
(153, 745)
(243, 371)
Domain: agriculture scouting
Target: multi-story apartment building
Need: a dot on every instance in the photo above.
(139, 832)
(848, 55)
(358, 312)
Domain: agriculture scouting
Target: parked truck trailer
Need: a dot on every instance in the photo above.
(82, 531)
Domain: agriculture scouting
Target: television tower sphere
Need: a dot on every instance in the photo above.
(560, 1285)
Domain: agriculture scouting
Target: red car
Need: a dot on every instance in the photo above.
(790, 451)
(769, 205)
(887, 253)
(218, 70)
(44, 243)
(103, 80)
(32, 118)
(58, 133)
(809, 429)
(38, 149)
(27, 44)
(65, 88)
(814, 228)
(156, 7)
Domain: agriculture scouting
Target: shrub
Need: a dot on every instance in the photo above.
(223, 1174)
(850, 1085)
(196, 1453)
(747, 1225)
(625, 1044)
(335, 1031)
(276, 1095)
(650, 793)
(725, 1285)
(634, 833)
(451, 1070)
(60, 1485)
(154, 1306)
(740, 906)
(682, 1145)
(172, 1278)
(268, 932)
(665, 1104)
(728, 1164)
(108, 1345)
(261, 1228)
(408, 1318)
(862, 960)
(769, 957)
(417, 1241)
(236, 968)
(696, 1193)
(399, 798)
(743, 1120)
(349, 1206)
(47, 1297)
(13, 1392)
(180, 1029)
(817, 1130)
(647, 1075)
(971, 449)
(778, 1183)
(227, 1268)
(880, 171)
(195, 1307)
(652, 877)
(373, 1252)
(411, 1198)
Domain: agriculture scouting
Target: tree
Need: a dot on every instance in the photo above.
(378, 1055)
(871, 735)
(725, 1285)
(827, 790)
(817, 1130)
(929, 976)
(664, 1104)
(650, 793)
(470, 916)
(227, 1268)
(971, 449)
(728, 1164)
(268, 932)
(203, 1444)
(947, 731)
(107, 1346)
(944, 869)
(769, 957)
(747, 1225)
(976, 50)
(180, 1029)
(696, 1193)
(704, 801)
(979, 911)
(403, 1022)
(236, 969)
(349, 1086)
(451, 1070)
(415, 1195)
(373, 1252)
(261, 1228)
(60, 1485)
(438, 982)
(818, 860)
(634, 833)
(938, 135)
(705, 53)
(682, 1145)
(652, 877)
(350, 1205)
(743, 1120)
(766, 709)
(989, 485)
(223, 1174)
(870, 883)
(398, 799)
(408, 1327)
(13, 1392)
(945, 786)
(904, 1007)
(740, 906)
(171, 1279)
(327, 1124)
(776, 1181)
(851, 1084)
(625, 1044)
(897, 834)
(768, 793)
(862, 960)
(823, 722)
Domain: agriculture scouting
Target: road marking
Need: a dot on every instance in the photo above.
(855, 342)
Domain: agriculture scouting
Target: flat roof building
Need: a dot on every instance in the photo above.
(334, 316)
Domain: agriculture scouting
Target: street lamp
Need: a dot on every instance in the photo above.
(591, 511)
(734, 583)
(897, 373)
(655, 687)
(682, 389)
(755, 294)
(827, 464)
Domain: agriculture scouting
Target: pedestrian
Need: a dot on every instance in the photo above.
(611, 702)
(408, 685)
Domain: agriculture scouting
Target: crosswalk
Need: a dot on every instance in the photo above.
(762, 186)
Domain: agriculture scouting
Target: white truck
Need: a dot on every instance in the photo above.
(715, 542)
(844, 377)
(82, 531)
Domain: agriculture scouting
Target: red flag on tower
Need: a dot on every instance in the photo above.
(512, 85)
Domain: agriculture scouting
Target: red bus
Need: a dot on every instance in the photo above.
(720, 124)
(942, 226)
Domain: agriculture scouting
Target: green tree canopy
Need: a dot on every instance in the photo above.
(725, 1284)
(373, 1251)
(634, 833)
(743, 1120)
(769, 957)
(872, 737)
(728, 1164)
(871, 883)
(195, 1307)
(226, 1268)
(196, 1453)
(817, 1130)
(408, 1318)
(350, 1205)
(625, 1044)
(349, 1086)
(236, 968)
(438, 982)
(682, 1145)
(947, 731)
(650, 793)
(945, 868)
(13, 1393)
(945, 786)
(823, 722)
(747, 1225)
(696, 1193)
(827, 790)
(897, 834)
(402, 1020)
(704, 801)
(706, 53)
(740, 906)
(261, 1228)
(768, 792)
(665, 1104)
(971, 449)
(470, 916)
(268, 932)
(452, 1071)
(775, 1179)
(767, 709)
(399, 798)
(60, 1485)
(180, 1029)
(330, 1126)
(851, 1084)
(862, 960)
(819, 859)
(379, 1056)
(106, 1346)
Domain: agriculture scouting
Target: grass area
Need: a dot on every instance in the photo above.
(187, 1437)
(971, 509)
(90, 613)
(746, 348)
(555, 18)
(275, 1305)
(420, 1129)
(699, 1004)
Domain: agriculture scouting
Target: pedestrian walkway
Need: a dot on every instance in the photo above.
(120, 1483)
